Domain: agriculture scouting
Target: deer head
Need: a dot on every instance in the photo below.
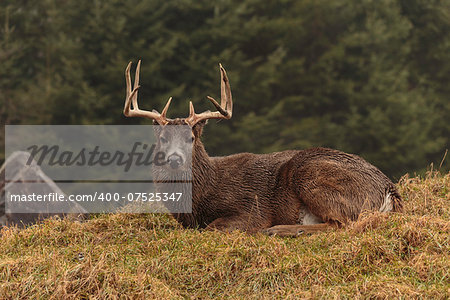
(170, 141)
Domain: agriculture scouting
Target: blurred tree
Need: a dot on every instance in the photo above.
(367, 77)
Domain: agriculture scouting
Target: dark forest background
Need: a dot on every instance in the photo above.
(366, 77)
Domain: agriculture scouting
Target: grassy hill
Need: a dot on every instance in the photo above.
(150, 256)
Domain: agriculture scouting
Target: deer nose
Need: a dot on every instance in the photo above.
(175, 161)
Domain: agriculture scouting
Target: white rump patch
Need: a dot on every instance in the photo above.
(387, 204)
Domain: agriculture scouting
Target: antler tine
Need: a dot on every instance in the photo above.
(166, 108)
(191, 109)
(131, 97)
(128, 81)
(225, 90)
(224, 110)
(136, 85)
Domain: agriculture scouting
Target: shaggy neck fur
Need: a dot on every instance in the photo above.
(203, 178)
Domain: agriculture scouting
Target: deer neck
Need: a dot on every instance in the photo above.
(203, 181)
(203, 172)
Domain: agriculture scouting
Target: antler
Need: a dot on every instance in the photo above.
(132, 98)
(224, 110)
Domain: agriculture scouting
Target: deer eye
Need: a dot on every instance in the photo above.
(163, 140)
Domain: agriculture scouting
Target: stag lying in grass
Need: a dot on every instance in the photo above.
(284, 193)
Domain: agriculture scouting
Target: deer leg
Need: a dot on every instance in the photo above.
(296, 230)
(228, 224)
(223, 224)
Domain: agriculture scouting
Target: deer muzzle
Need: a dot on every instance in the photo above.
(175, 161)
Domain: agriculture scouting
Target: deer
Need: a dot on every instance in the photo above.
(285, 193)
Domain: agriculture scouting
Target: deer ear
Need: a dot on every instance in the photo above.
(200, 124)
(198, 128)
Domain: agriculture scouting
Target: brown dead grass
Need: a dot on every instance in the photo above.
(125, 256)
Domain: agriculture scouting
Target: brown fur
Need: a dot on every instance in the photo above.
(254, 192)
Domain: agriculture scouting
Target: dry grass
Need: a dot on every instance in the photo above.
(150, 256)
